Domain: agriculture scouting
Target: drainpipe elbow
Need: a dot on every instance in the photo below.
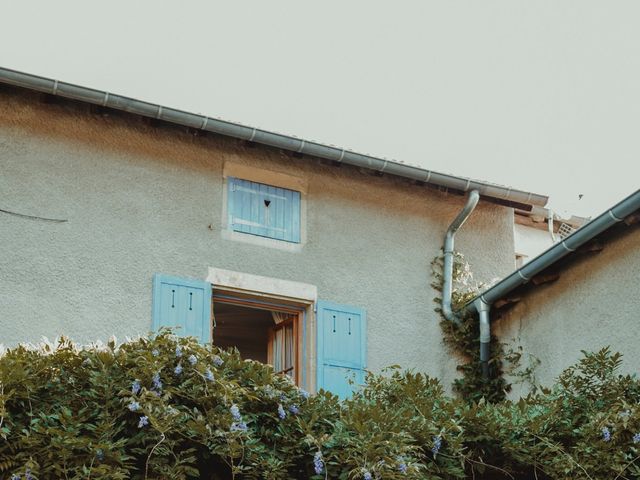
(448, 248)
(447, 311)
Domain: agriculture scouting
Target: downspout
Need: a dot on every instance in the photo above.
(447, 271)
(485, 335)
(550, 220)
(524, 274)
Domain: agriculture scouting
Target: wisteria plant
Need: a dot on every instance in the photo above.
(165, 407)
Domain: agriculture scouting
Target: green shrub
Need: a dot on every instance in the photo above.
(167, 407)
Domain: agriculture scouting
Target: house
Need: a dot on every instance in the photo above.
(582, 293)
(119, 217)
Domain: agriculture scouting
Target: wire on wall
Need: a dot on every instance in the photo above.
(33, 217)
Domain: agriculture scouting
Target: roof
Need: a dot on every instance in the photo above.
(499, 194)
(543, 215)
(624, 213)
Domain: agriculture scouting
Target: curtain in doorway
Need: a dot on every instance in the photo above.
(283, 343)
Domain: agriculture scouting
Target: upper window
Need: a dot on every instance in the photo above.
(264, 210)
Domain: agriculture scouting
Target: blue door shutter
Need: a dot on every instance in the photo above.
(342, 347)
(264, 210)
(184, 304)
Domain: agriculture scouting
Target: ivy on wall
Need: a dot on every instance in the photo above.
(464, 337)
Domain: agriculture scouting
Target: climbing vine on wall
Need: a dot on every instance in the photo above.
(464, 338)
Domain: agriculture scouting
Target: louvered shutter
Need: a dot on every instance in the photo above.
(342, 347)
(264, 210)
(184, 304)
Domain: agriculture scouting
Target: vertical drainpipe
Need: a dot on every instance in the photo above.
(447, 271)
(550, 226)
(485, 334)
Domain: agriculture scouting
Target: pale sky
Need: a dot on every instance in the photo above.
(541, 95)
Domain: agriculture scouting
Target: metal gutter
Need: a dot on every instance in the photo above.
(286, 142)
(578, 238)
(482, 303)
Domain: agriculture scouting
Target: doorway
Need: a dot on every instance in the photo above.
(260, 331)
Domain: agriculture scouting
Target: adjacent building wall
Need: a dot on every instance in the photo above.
(140, 199)
(594, 304)
(530, 242)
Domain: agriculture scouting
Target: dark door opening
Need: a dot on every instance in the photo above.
(259, 334)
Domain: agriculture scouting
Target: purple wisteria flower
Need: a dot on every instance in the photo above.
(193, 359)
(157, 383)
(294, 409)
(135, 387)
(636, 438)
(238, 427)
(367, 475)
(281, 413)
(606, 434)
(437, 444)
(178, 351)
(209, 375)
(134, 406)
(304, 394)
(217, 361)
(144, 421)
(235, 412)
(318, 463)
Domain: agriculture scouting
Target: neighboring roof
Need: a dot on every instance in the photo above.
(626, 211)
(541, 215)
(497, 193)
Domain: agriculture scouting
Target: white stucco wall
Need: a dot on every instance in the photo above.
(594, 304)
(141, 200)
(530, 241)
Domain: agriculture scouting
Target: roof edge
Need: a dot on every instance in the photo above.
(571, 243)
(514, 197)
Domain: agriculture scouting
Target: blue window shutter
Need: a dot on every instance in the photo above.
(263, 210)
(342, 347)
(184, 304)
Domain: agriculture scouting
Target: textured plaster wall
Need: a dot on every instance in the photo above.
(594, 303)
(530, 241)
(140, 199)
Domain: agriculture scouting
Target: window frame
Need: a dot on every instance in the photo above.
(275, 292)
